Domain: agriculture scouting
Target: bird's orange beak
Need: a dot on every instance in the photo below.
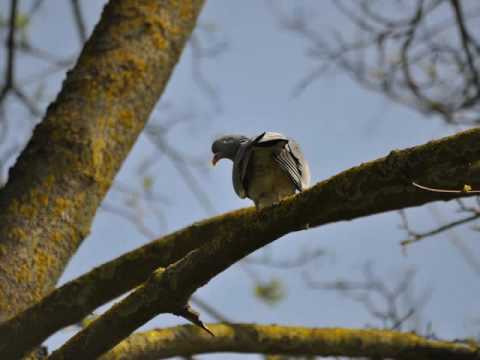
(216, 158)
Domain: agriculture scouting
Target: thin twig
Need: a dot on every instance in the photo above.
(415, 237)
(466, 189)
(79, 21)
(207, 308)
(9, 71)
(466, 40)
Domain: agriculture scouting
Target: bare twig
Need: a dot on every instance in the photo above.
(417, 236)
(467, 189)
(133, 217)
(79, 21)
(11, 50)
(10, 68)
(209, 309)
(403, 57)
(468, 255)
(30, 105)
(466, 40)
(367, 293)
(305, 257)
(182, 167)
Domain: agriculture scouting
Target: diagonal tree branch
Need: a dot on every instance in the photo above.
(188, 340)
(11, 51)
(10, 68)
(66, 169)
(79, 21)
(377, 186)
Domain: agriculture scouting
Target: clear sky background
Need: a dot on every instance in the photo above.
(338, 124)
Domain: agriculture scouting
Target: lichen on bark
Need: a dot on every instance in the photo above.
(61, 177)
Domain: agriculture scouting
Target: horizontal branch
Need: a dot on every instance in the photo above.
(187, 340)
(377, 186)
(381, 185)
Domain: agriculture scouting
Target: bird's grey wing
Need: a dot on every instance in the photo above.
(291, 160)
(240, 165)
(302, 163)
(244, 154)
(269, 138)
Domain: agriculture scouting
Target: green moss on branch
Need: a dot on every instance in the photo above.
(380, 185)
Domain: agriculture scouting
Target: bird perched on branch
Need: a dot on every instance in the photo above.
(266, 168)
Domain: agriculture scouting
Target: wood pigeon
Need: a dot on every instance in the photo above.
(266, 168)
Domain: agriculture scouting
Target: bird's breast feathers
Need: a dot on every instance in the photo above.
(264, 176)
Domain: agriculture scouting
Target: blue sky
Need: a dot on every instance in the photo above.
(338, 124)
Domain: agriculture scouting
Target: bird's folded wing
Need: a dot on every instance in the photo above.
(269, 138)
(240, 165)
(291, 160)
(290, 165)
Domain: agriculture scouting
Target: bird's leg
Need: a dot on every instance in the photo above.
(266, 199)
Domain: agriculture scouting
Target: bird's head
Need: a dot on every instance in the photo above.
(226, 147)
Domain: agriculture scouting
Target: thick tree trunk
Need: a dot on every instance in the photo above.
(63, 174)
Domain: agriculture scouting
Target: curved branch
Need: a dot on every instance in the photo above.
(63, 174)
(377, 186)
(188, 340)
(466, 40)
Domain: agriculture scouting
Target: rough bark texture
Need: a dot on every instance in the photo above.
(73, 301)
(188, 340)
(78, 298)
(378, 186)
(64, 172)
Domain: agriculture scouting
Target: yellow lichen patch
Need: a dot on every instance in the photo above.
(23, 274)
(127, 119)
(187, 10)
(38, 199)
(43, 261)
(48, 182)
(28, 211)
(63, 208)
(57, 237)
(98, 147)
(78, 200)
(42, 264)
(18, 233)
(61, 204)
(82, 141)
(159, 41)
(43, 200)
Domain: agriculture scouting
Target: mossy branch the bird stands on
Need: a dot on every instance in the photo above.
(377, 186)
